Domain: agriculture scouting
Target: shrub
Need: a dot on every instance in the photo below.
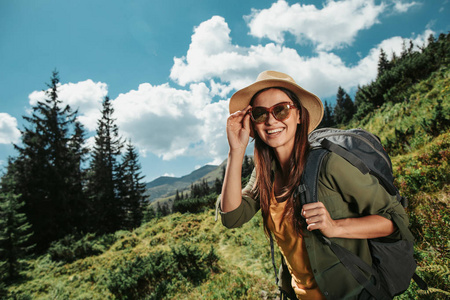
(427, 172)
(70, 248)
(195, 205)
(155, 276)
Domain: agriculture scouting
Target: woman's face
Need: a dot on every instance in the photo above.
(279, 135)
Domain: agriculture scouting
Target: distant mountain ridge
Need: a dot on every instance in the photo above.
(166, 186)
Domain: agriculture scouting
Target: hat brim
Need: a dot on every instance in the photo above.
(241, 99)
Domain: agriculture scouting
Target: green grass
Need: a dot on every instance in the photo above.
(242, 271)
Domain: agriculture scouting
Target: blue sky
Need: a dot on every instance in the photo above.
(170, 66)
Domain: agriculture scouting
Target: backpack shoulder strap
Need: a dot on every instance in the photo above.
(307, 190)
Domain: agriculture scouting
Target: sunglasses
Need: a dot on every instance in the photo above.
(280, 112)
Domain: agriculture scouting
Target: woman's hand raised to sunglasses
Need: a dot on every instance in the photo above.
(238, 130)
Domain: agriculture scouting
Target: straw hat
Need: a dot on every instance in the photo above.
(241, 99)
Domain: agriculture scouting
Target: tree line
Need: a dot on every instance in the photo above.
(56, 186)
(394, 77)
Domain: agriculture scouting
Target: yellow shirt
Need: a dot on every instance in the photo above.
(292, 247)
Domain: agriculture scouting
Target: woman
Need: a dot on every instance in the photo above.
(351, 207)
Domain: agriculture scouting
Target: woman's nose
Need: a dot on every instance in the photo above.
(270, 119)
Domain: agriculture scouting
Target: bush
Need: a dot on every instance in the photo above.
(195, 205)
(70, 249)
(427, 172)
(155, 276)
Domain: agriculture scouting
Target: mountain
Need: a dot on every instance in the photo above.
(165, 186)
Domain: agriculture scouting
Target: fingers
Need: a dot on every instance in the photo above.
(317, 217)
(238, 120)
(238, 129)
(313, 209)
(240, 114)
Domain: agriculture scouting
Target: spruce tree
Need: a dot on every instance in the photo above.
(344, 109)
(383, 63)
(105, 206)
(328, 120)
(48, 167)
(132, 189)
(14, 232)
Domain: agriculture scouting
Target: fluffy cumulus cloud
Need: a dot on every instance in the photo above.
(333, 26)
(85, 96)
(8, 129)
(233, 67)
(171, 122)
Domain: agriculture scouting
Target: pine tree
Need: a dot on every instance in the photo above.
(349, 108)
(14, 233)
(132, 189)
(48, 167)
(217, 186)
(105, 207)
(344, 109)
(328, 120)
(383, 63)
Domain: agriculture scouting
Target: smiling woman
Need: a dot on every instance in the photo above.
(279, 115)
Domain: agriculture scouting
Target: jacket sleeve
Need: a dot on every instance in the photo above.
(363, 193)
(246, 210)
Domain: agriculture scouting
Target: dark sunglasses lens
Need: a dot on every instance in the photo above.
(259, 114)
(281, 112)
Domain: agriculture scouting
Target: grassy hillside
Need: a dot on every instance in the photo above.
(181, 256)
(191, 256)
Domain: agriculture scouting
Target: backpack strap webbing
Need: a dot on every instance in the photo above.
(356, 266)
(348, 156)
(272, 254)
(307, 190)
(362, 167)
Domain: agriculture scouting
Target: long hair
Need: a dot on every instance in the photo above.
(264, 158)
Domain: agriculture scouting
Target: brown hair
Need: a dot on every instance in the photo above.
(265, 156)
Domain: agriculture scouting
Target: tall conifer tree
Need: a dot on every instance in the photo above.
(328, 120)
(344, 109)
(15, 232)
(47, 169)
(132, 189)
(383, 63)
(103, 176)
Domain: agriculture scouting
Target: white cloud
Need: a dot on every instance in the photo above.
(8, 129)
(170, 122)
(86, 96)
(402, 7)
(334, 26)
(233, 67)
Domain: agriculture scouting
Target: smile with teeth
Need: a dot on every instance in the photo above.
(272, 131)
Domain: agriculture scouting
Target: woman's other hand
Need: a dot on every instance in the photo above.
(318, 217)
(365, 227)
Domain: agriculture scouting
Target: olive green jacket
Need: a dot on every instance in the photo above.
(346, 193)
